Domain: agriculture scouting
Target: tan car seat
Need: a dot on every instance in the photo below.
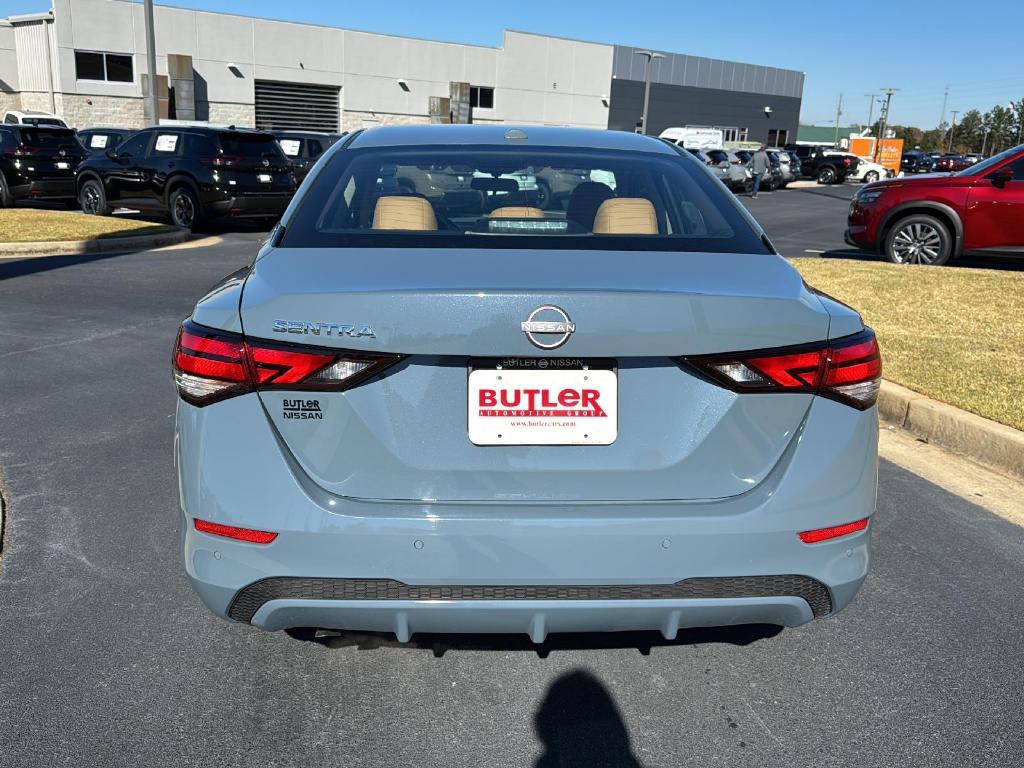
(626, 216)
(404, 212)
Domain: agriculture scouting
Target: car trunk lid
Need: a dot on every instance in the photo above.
(404, 435)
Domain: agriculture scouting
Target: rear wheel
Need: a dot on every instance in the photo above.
(543, 195)
(827, 175)
(871, 176)
(92, 200)
(919, 239)
(184, 208)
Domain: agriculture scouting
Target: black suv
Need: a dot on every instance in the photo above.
(303, 148)
(38, 162)
(816, 163)
(190, 173)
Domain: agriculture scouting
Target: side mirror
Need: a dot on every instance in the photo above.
(1002, 176)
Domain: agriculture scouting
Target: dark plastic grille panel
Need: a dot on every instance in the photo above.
(296, 106)
(250, 598)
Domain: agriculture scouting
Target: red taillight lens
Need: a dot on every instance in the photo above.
(833, 532)
(241, 534)
(221, 161)
(847, 369)
(213, 365)
(208, 365)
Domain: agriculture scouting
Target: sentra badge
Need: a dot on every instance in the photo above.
(323, 329)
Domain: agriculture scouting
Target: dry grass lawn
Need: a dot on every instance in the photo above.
(951, 333)
(24, 225)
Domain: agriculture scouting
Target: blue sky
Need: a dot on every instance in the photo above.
(855, 47)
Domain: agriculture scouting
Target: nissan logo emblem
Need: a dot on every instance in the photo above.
(548, 320)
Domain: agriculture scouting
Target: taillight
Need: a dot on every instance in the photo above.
(241, 534)
(846, 161)
(213, 365)
(221, 161)
(832, 532)
(848, 369)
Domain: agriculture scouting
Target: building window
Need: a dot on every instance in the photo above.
(112, 67)
(777, 137)
(481, 97)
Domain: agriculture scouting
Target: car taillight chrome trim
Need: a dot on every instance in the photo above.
(211, 365)
(848, 370)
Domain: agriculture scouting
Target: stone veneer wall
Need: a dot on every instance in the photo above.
(353, 121)
(224, 113)
(9, 101)
(101, 111)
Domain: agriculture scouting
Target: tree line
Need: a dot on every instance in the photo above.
(990, 132)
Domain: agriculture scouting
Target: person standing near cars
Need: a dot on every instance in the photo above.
(759, 165)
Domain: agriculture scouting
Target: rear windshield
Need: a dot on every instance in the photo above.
(43, 121)
(246, 145)
(514, 197)
(52, 139)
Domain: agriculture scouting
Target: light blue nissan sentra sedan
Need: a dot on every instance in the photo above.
(435, 402)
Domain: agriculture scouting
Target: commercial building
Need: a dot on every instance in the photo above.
(86, 60)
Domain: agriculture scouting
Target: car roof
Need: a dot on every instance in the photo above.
(498, 135)
(30, 127)
(301, 134)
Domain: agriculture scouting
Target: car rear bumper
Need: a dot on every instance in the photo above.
(255, 205)
(45, 188)
(535, 568)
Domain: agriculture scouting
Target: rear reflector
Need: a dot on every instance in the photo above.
(823, 534)
(848, 369)
(231, 532)
(213, 365)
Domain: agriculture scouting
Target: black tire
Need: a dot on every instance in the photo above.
(6, 198)
(827, 175)
(183, 207)
(871, 177)
(543, 195)
(92, 199)
(919, 239)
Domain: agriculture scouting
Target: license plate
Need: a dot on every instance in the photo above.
(543, 401)
(62, 166)
(264, 178)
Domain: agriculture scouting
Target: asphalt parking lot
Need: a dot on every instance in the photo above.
(107, 657)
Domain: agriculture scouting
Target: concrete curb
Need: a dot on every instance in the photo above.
(98, 245)
(986, 442)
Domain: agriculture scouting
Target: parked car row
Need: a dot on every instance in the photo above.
(731, 166)
(915, 161)
(185, 172)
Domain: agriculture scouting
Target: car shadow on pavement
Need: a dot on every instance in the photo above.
(439, 644)
(20, 267)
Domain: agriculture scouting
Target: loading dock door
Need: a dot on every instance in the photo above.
(296, 106)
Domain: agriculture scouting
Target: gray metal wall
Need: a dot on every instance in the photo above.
(699, 72)
(679, 105)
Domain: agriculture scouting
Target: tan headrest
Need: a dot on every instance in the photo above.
(626, 216)
(404, 212)
(516, 212)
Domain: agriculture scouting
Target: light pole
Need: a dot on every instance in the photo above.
(884, 122)
(651, 56)
(952, 130)
(154, 96)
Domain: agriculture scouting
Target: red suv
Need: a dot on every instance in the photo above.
(933, 218)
